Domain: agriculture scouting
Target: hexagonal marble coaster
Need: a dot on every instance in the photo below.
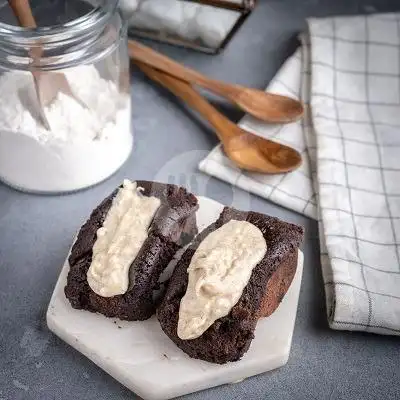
(144, 359)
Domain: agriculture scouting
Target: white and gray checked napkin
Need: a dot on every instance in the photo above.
(348, 74)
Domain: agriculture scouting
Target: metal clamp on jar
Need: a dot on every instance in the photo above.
(88, 135)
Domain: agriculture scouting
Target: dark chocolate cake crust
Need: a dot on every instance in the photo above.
(229, 337)
(173, 226)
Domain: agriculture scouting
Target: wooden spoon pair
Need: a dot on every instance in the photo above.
(248, 151)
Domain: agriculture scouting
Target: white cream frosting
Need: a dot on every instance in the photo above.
(219, 271)
(119, 240)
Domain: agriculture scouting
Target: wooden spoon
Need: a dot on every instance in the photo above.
(265, 106)
(47, 84)
(246, 150)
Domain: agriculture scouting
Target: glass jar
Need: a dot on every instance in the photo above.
(90, 133)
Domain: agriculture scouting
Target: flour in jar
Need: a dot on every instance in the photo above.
(85, 145)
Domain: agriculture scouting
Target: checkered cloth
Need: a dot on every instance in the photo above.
(348, 74)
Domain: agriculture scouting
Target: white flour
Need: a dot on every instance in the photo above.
(85, 145)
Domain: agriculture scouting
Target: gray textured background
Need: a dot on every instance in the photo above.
(36, 232)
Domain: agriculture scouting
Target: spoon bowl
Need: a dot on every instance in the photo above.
(256, 154)
(265, 106)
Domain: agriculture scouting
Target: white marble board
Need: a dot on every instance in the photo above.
(144, 359)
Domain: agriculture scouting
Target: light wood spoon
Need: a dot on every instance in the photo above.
(47, 84)
(246, 150)
(265, 106)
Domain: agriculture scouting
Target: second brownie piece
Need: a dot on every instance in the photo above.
(211, 261)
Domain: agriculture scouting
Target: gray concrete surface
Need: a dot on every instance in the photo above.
(36, 232)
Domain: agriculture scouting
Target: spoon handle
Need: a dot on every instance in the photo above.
(23, 13)
(148, 56)
(224, 128)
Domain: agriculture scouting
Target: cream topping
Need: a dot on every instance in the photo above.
(219, 271)
(120, 239)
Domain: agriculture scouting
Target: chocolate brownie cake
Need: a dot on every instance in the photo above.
(127, 293)
(272, 247)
